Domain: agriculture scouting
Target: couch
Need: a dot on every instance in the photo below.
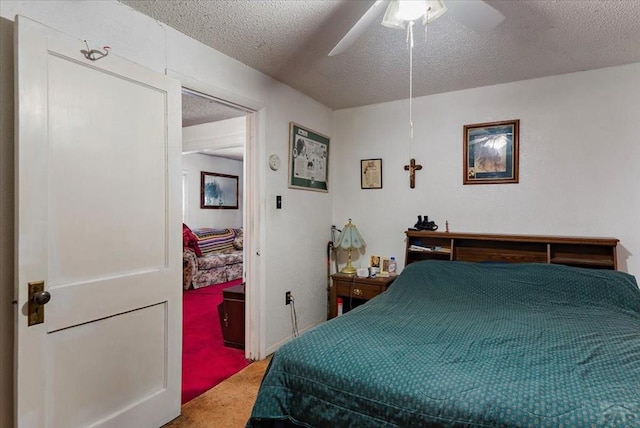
(211, 256)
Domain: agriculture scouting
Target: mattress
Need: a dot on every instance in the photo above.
(468, 344)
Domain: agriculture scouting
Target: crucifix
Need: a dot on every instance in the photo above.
(412, 168)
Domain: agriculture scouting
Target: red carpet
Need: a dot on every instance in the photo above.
(205, 360)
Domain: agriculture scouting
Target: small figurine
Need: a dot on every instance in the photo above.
(446, 226)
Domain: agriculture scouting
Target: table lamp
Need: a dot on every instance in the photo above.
(349, 239)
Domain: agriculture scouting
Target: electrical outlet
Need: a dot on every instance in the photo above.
(287, 298)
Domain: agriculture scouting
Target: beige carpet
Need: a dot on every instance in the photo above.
(228, 404)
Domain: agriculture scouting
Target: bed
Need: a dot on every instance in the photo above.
(468, 344)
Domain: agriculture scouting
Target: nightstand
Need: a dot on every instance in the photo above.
(231, 313)
(355, 291)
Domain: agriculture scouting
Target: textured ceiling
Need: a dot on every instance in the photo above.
(197, 110)
(289, 40)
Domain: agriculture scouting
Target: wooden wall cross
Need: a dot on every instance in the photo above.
(412, 168)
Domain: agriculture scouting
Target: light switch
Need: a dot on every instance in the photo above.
(278, 202)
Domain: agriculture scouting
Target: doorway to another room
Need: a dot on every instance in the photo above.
(213, 183)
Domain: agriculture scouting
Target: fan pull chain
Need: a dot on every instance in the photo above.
(426, 20)
(410, 46)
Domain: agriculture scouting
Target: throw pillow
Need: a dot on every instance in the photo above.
(189, 240)
(238, 242)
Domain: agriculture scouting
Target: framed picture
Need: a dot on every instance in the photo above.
(384, 266)
(308, 159)
(218, 191)
(371, 174)
(375, 261)
(491, 152)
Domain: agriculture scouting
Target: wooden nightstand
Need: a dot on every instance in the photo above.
(231, 313)
(355, 291)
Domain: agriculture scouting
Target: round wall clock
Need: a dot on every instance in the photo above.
(274, 162)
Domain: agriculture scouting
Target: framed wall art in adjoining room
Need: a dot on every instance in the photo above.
(218, 191)
(491, 152)
(371, 174)
(308, 159)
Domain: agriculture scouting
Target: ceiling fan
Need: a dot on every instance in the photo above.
(474, 14)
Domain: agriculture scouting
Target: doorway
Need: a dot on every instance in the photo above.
(214, 146)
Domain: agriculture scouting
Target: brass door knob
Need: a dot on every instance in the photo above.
(41, 297)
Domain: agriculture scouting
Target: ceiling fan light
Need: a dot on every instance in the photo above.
(410, 10)
(399, 12)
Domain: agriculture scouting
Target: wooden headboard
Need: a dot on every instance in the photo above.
(473, 247)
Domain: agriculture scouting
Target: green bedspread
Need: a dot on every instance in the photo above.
(465, 344)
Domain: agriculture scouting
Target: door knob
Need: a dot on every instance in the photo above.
(38, 297)
(41, 297)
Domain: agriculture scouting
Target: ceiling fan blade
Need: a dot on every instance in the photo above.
(360, 27)
(475, 14)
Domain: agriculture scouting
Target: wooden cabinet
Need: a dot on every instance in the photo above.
(231, 313)
(355, 291)
(573, 251)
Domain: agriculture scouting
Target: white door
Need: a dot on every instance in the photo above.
(98, 220)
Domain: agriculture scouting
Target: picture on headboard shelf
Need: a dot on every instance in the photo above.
(218, 191)
(491, 152)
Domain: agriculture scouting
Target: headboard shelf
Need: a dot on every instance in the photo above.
(591, 252)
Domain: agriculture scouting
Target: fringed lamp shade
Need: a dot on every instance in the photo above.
(350, 239)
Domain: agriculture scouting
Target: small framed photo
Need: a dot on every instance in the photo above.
(491, 152)
(218, 191)
(384, 266)
(371, 174)
(375, 261)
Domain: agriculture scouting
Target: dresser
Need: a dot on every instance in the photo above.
(355, 291)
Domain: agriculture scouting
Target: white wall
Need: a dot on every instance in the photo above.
(292, 240)
(579, 153)
(192, 165)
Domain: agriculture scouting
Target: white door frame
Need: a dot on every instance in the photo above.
(253, 214)
(185, 196)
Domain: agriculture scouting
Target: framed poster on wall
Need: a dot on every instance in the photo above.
(308, 159)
